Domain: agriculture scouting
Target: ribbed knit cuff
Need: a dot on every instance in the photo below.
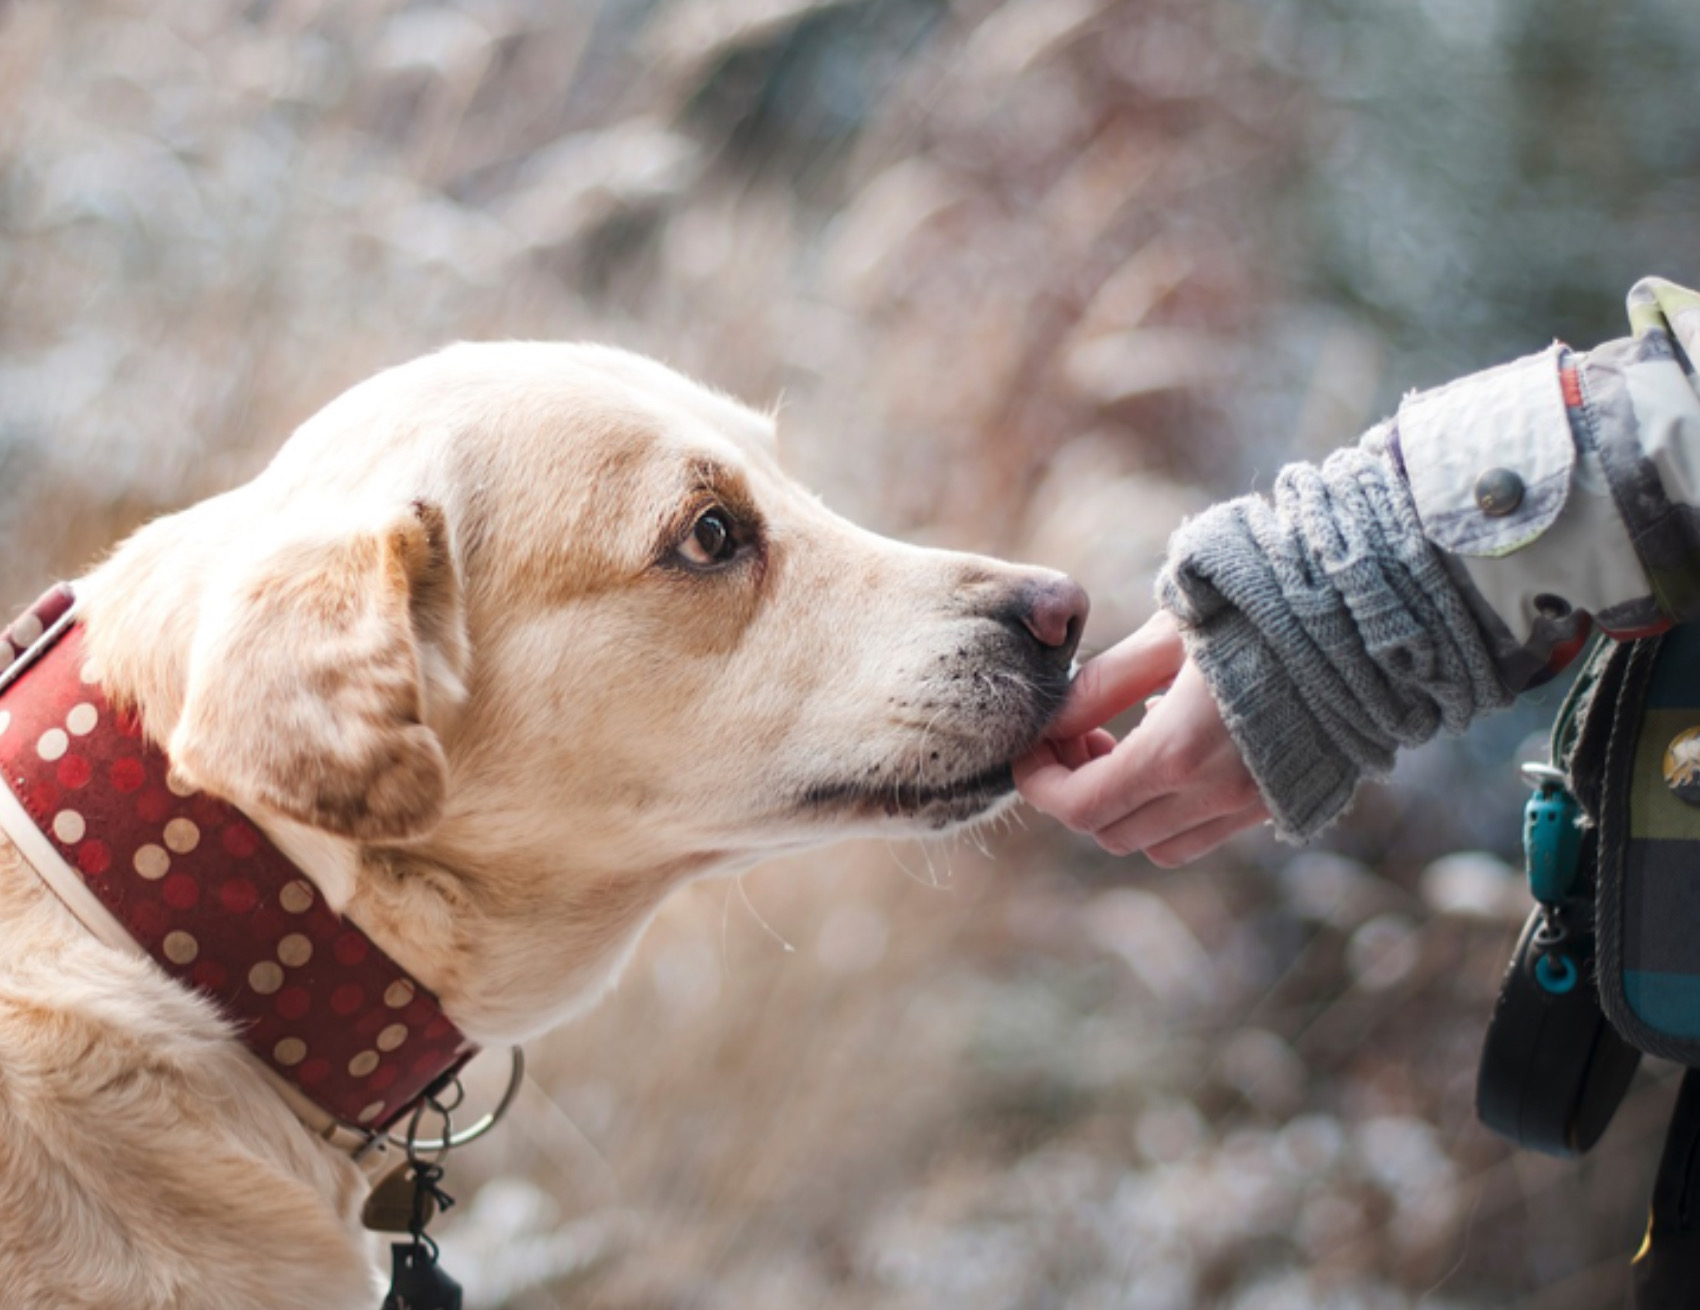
(1329, 630)
(1306, 781)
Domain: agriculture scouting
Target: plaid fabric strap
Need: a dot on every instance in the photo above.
(1649, 879)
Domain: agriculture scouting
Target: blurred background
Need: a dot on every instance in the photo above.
(1032, 276)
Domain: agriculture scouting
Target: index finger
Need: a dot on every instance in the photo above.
(1100, 792)
(1120, 678)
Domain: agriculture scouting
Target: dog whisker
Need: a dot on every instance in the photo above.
(932, 869)
(725, 925)
(891, 849)
(749, 905)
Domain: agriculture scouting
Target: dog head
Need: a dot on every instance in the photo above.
(509, 641)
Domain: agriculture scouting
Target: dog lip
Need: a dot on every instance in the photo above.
(904, 799)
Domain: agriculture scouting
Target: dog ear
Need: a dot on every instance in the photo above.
(312, 676)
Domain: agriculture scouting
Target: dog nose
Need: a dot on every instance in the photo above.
(1054, 611)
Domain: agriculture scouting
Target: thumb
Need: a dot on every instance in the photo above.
(1124, 675)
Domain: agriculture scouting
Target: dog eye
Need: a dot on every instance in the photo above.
(712, 540)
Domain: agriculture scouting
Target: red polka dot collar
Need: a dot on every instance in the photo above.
(192, 883)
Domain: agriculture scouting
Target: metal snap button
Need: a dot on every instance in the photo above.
(1682, 766)
(1498, 492)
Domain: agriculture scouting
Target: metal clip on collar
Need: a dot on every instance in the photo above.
(437, 1101)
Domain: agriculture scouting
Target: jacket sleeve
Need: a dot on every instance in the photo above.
(1459, 554)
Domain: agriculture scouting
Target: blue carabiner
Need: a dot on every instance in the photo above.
(1552, 836)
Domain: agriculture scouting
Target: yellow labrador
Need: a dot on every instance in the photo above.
(504, 645)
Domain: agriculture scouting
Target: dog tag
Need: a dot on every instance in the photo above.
(389, 1205)
(417, 1281)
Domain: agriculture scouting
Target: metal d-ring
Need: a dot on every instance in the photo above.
(414, 1145)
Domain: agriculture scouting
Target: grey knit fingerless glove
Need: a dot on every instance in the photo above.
(1329, 630)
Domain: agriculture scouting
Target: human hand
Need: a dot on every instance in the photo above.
(1175, 787)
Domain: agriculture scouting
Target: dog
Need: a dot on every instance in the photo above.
(504, 645)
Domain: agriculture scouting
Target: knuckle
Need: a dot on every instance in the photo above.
(1070, 811)
(1094, 810)
(1173, 854)
(1098, 817)
(1114, 845)
(1168, 770)
(1189, 756)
